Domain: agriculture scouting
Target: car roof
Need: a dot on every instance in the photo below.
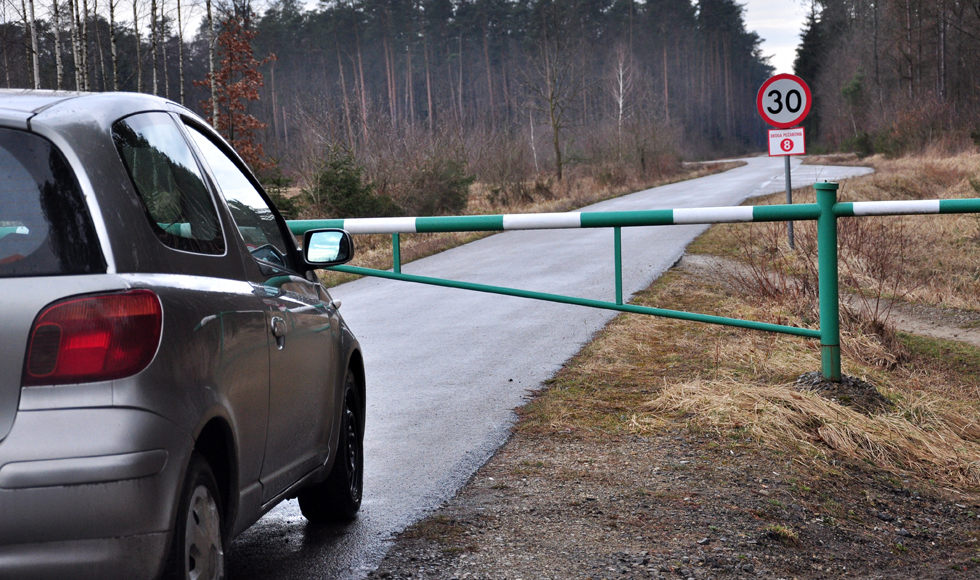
(21, 108)
(31, 101)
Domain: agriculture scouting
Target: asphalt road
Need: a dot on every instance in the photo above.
(446, 368)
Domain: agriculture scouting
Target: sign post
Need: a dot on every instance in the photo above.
(783, 102)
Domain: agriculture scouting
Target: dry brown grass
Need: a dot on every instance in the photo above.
(643, 374)
(934, 257)
(374, 250)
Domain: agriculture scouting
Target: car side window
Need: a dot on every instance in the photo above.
(178, 205)
(252, 215)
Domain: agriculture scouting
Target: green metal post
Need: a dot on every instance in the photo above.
(396, 253)
(828, 283)
(618, 244)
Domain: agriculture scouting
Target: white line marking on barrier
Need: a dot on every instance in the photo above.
(709, 215)
(542, 221)
(896, 207)
(404, 225)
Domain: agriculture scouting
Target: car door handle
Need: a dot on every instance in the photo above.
(278, 327)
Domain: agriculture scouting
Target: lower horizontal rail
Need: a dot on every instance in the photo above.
(721, 320)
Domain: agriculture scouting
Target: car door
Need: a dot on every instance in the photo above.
(305, 350)
(215, 324)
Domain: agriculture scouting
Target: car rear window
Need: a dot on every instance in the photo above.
(168, 180)
(45, 227)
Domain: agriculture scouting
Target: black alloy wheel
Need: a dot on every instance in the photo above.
(338, 498)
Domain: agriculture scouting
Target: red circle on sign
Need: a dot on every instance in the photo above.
(787, 145)
(795, 120)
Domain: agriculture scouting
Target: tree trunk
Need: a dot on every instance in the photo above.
(84, 27)
(486, 60)
(98, 41)
(343, 87)
(460, 80)
(428, 82)
(214, 80)
(59, 65)
(180, 54)
(666, 85)
(390, 79)
(6, 61)
(163, 52)
(452, 89)
(139, 57)
(113, 48)
(34, 55)
(153, 44)
(27, 42)
(410, 88)
(363, 91)
(74, 45)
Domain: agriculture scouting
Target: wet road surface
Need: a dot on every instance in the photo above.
(446, 368)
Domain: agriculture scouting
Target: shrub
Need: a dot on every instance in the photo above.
(340, 190)
(438, 186)
(276, 185)
(861, 144)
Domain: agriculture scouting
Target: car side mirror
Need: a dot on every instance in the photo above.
(328, 247)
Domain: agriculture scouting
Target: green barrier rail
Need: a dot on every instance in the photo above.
(825, 212)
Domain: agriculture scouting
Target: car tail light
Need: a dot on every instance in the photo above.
(95, 338)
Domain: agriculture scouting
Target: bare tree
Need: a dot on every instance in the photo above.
(35, 62)
(622, 85)
(84, 44)
(113, 48)
(180, 52)
(58, 63)
(553, 82)
(98, 42)
(27, 38)
(75, 49)
(139, 57)
(154, 33)
(211, 71)
(6, 60)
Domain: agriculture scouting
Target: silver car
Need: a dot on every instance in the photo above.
(170, 366)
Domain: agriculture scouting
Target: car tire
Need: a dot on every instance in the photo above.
(337, 499)
(198, 551)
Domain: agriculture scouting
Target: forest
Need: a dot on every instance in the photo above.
(417, 99)
(892, 76)
(420, 91)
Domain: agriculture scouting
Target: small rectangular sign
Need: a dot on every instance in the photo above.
(786, 142)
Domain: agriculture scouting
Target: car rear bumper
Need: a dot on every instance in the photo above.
(140, 556)
(90, 491)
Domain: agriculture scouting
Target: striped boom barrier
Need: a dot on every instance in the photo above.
(656, 217)
(825, 212)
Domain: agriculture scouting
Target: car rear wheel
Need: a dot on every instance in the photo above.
(198, 550)
(338, 498)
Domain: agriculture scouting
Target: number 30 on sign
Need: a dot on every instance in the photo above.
(784, 101)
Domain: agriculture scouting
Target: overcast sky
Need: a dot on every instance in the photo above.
(779, 23)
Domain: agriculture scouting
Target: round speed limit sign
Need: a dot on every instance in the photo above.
(783, 101)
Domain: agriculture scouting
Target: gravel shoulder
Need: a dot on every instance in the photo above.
(682, 503)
